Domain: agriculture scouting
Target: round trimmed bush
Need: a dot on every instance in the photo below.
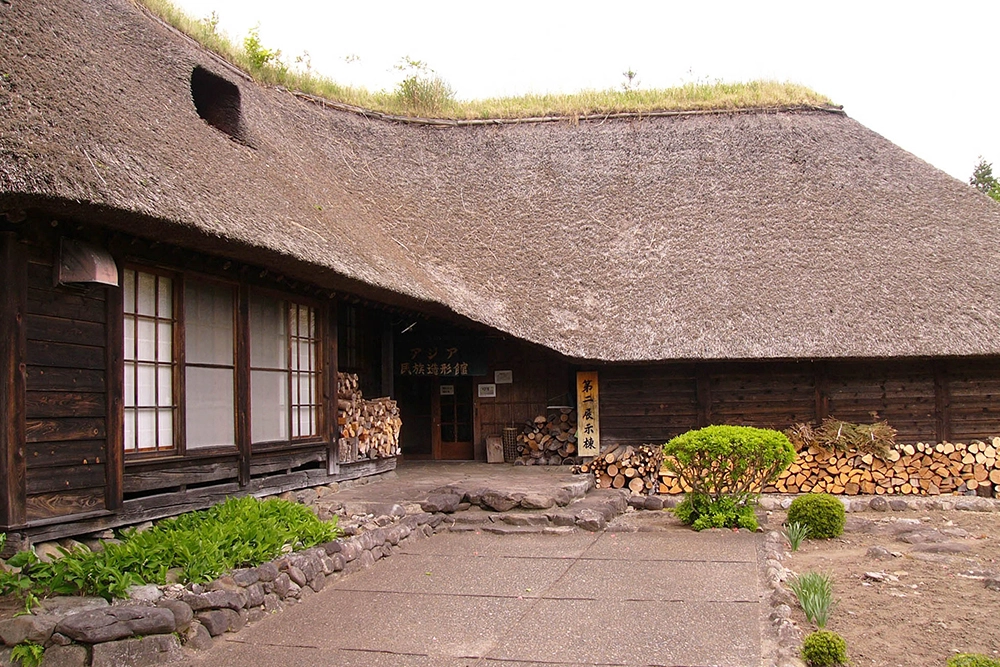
(821, 512)
(824, 649)
(972, 660)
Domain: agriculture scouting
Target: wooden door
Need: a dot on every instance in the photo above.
(454, 420)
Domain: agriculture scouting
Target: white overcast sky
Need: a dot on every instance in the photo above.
(922, 74)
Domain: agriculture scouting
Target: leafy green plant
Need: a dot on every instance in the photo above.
(29, 654)
(820, 512)
(700, 512)
(258, 55)
(815, 594)
(240, 532)
(795, 532)
(824, 649)
(972, 660)
(733, 461)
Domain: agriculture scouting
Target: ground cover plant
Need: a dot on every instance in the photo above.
(197, 547)
(822, 514)
(411, 96)
(725, 467)
(972, 660)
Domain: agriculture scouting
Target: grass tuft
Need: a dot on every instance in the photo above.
(795, 532)
(402, 102)
(815, 594)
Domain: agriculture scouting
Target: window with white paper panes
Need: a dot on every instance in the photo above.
(284, 370)
(149, 397)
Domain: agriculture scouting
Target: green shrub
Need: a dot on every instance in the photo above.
(821, 512)
(733, 461)
(824, 649)
(972, 660)
(700, 512)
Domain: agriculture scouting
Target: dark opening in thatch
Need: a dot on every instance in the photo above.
(217, 102)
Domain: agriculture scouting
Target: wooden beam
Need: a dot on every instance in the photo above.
(13, 354)
(331, 349)
(942, 402)
(388, 361)
(243, 422)
(822, 395)
(704, 393)
(115, 416)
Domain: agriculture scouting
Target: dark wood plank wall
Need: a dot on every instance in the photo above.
(925, 400)
(66, 398)
(973, 401)
(540, 379)
(743, 395)
(642, 404)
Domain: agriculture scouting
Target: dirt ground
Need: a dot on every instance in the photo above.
(931, 602)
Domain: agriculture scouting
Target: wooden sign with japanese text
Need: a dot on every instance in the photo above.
(588, 437)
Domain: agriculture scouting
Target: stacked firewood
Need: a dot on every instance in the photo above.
(920, 469)
(369, 429)
(626, 466)
(548, 440)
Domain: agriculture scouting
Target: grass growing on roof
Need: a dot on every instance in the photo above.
(688, 97)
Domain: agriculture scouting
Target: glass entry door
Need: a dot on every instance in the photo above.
(455, 440)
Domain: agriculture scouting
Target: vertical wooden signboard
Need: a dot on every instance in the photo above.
(588, 439)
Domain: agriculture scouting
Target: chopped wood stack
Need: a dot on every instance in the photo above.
(548, 441)
(369, 429)
(920, 469)
(625, 466)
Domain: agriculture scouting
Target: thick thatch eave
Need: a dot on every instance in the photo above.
(750, 235)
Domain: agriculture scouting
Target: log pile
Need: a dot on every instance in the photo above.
(368, 429)
(548, 440)
(626, 466)
(920, 469)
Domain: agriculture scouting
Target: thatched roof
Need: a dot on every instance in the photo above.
(791, 234)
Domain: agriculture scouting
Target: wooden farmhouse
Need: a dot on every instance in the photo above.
(189, 259)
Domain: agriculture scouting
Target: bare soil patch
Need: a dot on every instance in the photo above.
(932, 601)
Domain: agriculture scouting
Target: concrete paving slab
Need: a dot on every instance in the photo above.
(234, 652)
(659, 581)
(448, 625)
(461, 575)
(535, 545)
(679, 544)
(660, 634)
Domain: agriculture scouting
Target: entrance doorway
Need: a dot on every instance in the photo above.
(455, 419)
(437, 418)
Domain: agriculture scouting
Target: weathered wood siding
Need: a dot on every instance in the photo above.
(66, 395)
(924, 400)
(539, 379)
(647, 404)
(973, 401)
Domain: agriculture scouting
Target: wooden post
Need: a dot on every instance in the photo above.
(243, 447)
(704, 393)
(822, 397)
(115, 415)
(13, 357)
(388, 360)
(329, 378)
(942, 403)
